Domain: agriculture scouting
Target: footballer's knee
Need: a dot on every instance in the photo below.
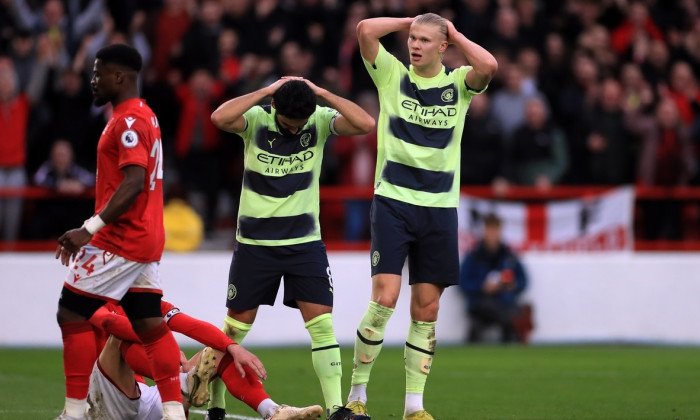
(385, 300)
(425, 311)
(386, 289)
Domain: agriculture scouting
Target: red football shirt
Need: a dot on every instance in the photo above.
(131, 137)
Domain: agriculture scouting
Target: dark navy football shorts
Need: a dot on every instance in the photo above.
(426, 235)
(256, 272)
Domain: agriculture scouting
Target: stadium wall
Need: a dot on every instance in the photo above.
(578, 298)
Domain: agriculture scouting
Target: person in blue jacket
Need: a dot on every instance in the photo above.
(492, 278)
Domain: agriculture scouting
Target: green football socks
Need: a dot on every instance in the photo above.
(418, 355)
(325, 356)
(236, 331)
(368, 343)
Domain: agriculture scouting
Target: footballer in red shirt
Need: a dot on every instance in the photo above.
(114, 256)
(131, 137)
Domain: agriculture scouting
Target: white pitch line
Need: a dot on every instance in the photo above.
(229, 416)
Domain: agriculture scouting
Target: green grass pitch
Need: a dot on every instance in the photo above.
(479, 382)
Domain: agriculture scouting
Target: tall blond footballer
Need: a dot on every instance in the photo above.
(414, 211)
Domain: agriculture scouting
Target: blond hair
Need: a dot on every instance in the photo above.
(432, 19)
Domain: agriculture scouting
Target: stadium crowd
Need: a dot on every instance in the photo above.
(588, 92)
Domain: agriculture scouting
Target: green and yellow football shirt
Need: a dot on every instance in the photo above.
(419, 132)
(280, 200)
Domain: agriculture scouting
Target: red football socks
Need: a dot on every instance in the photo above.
(164, 354)
(249, 389)
(79, 355)
(135, 356)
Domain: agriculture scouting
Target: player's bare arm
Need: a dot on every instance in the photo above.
(122, 199)
(353, 120)
(229, 115)
(370, 30)
(484, 65)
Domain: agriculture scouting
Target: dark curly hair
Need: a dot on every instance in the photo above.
(295, 99)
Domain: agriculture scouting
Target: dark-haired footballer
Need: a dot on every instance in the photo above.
(278, 234)
(114, 256)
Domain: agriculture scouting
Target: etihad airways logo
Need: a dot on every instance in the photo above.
(286, 160)
(431, 112)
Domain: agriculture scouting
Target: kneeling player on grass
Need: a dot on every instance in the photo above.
(278, 232)
(117, 390)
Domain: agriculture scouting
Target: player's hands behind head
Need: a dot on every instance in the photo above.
(451, 32)
(273, 87)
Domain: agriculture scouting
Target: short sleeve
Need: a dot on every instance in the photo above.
(325, 117)
(464, 70)
(134, 139)
(252, 117)
(385, 67)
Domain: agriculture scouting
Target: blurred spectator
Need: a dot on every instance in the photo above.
(579, 93)
(492, 278)
(63, 176)
(482, 144)
(295, 61)
(109, 34)
(65, 25)
(505, 35)
(172, 22)
(529, 62)
(536, 154)
(657, 63)
(229, 64)
(609, 141)
(596, 40)
(637, 27)
(14, 116)
(637, 94)
(508, 104)
(684, 92)
(666, 160)
(532, 23)
(474, 19)
(554, 71)
(200, 44)
(68, 100)
(197, 142)
(352, 73)
(23, 54)
(357, 157)
(268, 15)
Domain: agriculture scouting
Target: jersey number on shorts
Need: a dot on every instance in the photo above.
(88, 266)
(157, 152)
(330, 277)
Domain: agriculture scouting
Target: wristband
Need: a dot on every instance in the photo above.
(93, 224)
